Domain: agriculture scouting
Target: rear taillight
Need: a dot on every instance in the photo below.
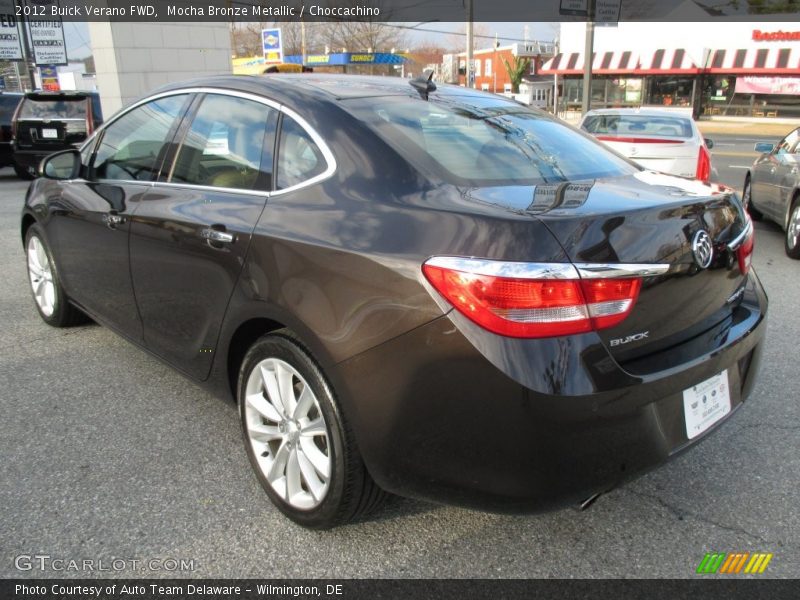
(531, 300)
(703, 165)
(744, 253)
(638, 140)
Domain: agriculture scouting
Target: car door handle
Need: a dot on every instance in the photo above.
(112, 220)
(215, 235)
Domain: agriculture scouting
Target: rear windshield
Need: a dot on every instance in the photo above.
(638, 125)
(495, 143)
(53, 108)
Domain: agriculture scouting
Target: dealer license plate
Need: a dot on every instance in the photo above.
(706, 403)
(50, 134)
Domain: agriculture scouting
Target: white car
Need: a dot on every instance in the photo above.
(661, 140)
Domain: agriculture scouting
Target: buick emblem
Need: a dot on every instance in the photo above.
(703, 249)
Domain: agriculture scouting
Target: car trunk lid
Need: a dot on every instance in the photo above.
(648, 219)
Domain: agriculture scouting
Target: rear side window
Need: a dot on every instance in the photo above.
(229, 145)
(53, 108)
(133, 145)
(484, 145)
(786, 145)
(638, 125)
(8, 104)
(299, 157)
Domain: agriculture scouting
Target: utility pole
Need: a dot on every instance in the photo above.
(303, 41)
(587, 60)
(470, 56)
(27, 51)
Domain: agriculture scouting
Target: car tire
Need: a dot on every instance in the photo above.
(792, 237)
(48, 294)
(747, 201)
(298, 439)
(23, 173)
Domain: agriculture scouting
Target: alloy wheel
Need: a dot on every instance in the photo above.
(793, 229)
(41, 276)
(288, 434)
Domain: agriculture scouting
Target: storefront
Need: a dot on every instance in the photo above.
(641, 64)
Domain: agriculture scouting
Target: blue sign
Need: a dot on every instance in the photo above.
(272, 45)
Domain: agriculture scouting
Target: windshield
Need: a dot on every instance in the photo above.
(496, 143)
(638, 125)
(53, 108)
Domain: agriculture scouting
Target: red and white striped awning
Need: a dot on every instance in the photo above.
(603, 63)
(755, 61)
(671, 61)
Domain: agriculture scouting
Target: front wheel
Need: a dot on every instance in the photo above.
(747, 200)
(792, 239)
(298, 440)
(48, 294)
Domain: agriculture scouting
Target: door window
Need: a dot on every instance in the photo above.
(786, 145)
(229, 145)
(133, 146)
(299, 158)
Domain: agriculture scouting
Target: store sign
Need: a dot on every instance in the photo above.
(10, 38)
(775, 36)
(49, 75)
(362, 58)
(47, 42)
(578, 8)
(606, 11)
(789, 86)
(272, 45)
(318, 59)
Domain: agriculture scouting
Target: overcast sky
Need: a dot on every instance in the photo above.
(78, 42)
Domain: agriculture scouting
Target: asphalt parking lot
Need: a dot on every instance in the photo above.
(107, 453)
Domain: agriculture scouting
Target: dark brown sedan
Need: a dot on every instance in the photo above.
(434, 292)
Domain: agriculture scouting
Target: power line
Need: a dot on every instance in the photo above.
(463, 34)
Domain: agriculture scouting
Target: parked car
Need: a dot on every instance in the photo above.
(46, 122)
(772, 188)
(435, 292)
(661, 140)
(8, 105)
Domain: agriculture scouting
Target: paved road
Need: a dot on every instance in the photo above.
(733, 154)
(107, 453)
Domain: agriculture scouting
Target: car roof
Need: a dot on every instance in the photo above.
(322, 86)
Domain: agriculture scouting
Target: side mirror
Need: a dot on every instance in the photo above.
(764, 147)
(709, 143)
(61, 165)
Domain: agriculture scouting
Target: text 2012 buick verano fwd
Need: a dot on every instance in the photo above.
(432, 292)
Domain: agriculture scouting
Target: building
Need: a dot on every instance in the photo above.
(489, 67)
(720, 68)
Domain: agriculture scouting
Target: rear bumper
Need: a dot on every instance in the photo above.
(450, 413)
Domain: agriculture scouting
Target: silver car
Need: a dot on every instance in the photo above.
(658, 139)
(772, 188)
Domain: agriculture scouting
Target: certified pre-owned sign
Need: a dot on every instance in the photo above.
(47, 41)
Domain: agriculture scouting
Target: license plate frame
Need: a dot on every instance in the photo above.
(706, 403)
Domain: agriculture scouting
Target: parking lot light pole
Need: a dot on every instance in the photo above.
(587, 59)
